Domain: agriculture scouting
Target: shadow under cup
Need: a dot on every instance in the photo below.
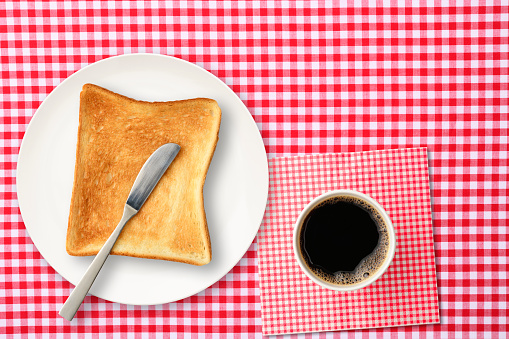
(344, 240)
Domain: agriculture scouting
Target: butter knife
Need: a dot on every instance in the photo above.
(149, 176)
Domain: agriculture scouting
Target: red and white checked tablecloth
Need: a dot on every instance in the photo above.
(318, 77)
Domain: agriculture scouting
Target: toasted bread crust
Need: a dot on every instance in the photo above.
(116, 134)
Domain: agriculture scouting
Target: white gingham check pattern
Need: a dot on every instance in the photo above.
(407, 292)
(318, 77)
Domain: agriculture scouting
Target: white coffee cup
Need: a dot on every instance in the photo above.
(344, 287)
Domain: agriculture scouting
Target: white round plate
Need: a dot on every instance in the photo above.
(235, 191)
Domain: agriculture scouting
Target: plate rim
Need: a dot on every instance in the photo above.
(252, 124)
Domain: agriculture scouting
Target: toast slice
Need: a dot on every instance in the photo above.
(116, 135)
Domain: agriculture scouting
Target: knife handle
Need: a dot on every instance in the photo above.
(74, 301)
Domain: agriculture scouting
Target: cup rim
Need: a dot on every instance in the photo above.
(390, 229)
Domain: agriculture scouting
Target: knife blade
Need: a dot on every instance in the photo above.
(145, 182)
(150, 174)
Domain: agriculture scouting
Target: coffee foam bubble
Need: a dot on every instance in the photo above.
(371, 263)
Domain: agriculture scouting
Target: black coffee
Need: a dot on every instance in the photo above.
(344, 240)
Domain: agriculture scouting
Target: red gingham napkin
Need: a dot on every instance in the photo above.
(405, 295)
